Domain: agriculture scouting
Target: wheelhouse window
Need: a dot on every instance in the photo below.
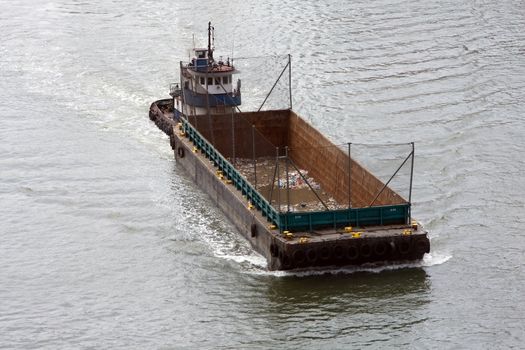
(217, 81)
(203, 81)
(226, 80)
(210, 81)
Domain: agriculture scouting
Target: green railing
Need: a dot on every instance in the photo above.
(295, 221)
(228, 170)
(371, 216)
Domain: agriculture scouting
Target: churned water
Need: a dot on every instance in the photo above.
(105, 243)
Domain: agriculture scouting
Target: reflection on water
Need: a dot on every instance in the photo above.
(362, 307)
(409, 285)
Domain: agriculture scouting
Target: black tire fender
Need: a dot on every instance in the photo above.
(180, 152)
(404, 247)
(339, 252)
(365, 250)
(353, 252)
(422, 246)
(380, 249)
(274, 251)
(325, 253)
(311, 256)
(299, 257)
(285, 260)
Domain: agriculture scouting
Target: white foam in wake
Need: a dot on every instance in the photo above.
(436, 258)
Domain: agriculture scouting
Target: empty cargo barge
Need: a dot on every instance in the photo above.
(300, 200)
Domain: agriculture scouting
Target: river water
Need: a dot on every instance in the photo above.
(105, 243)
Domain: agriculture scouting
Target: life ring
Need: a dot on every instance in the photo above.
(180, 152)
(339, 252)
(253, 230)
(353, 252)
(299, 257)
(365, 251)
(380, 249)
(311, 256)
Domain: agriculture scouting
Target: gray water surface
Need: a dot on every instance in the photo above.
(106, 243)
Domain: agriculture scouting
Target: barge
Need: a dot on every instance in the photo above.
(299, 199)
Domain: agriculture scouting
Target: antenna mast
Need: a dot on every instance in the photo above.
(210, 47)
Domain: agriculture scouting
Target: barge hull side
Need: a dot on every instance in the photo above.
(227, 198)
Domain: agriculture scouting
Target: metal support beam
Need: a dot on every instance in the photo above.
(411, 178)
(349, 175)
(273, 87)
(290, 78)
(287, 181)
(382, 189)
(254, 157)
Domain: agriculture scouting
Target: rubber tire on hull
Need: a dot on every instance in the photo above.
(299, 257)
(404, 247)
(365, 250)
(325, 253)
(422, 247)
(285, 261)
(172, 142)
(311, 256)
(353, 253)
(380, 249)
(274, 250)
(339, 252)
(180, 152)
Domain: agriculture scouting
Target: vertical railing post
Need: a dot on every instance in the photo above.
(411, 179)
(290, 78)
(183, 99)
(278, 179)
(349, 175)
(287, 182)
(253, 155)
(233, 139)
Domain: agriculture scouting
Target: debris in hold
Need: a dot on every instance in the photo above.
(299, 186)
(265, 173)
